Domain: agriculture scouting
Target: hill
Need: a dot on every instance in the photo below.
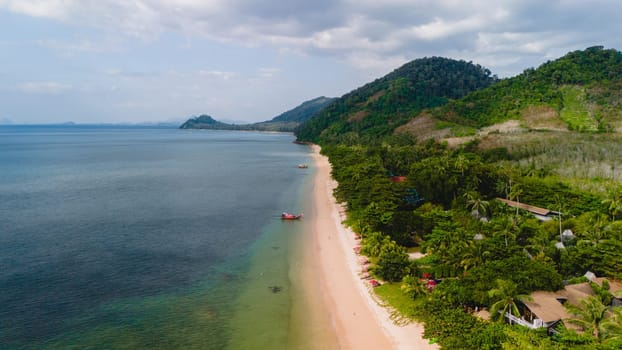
(580, 91)
(286, 121)
(205, 121)
(377, 108)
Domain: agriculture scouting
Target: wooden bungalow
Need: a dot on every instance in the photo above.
(546, 309)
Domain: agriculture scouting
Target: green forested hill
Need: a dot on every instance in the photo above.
(286, 121)
(291, 119)
(579, 91)
(377, 108)
(304, 111)
(205, 121)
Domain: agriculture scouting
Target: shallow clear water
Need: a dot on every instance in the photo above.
(137, 238)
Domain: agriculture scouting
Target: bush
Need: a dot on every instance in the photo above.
(392, 262)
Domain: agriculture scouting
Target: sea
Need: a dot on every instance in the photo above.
(153, 238)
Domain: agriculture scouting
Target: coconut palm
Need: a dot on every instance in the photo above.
(507, 226)
(613, 202)
(589, 315)
(412, 286)
(611, 326)
(506, 296)
(475, 255)
(515, 194)
(475, 203)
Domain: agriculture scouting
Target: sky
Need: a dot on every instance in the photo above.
(134, 61)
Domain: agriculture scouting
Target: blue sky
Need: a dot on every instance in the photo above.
(130, 61)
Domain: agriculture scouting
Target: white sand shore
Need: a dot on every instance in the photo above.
(360, 322)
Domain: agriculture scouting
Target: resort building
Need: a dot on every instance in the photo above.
(546, 309)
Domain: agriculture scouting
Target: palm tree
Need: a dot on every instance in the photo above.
(461, 163)
(475, 255)
(613, 202)
(475, 203)
(612, 326)
(589, 315)
(538, 243)
(412, 286)
(506, 296)
(515, 195)
(507, 226)
(594, 227)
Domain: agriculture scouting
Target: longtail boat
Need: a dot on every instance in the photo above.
(288, 216)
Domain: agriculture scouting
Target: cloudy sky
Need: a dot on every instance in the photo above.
(249, 60)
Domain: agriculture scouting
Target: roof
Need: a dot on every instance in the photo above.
(546, 306)
(483, 314)
(529, 208)
(577, 292)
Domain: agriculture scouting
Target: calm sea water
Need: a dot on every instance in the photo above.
(137, 238)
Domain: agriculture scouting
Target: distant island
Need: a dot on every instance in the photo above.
(286, 122)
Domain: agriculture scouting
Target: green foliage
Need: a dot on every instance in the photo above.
(528, 276)
(453, 328)
(546, 86)
(570, 339)
(413, 286)
(376, 109)
(392, 264)
(574, 111)
(520, 338)
(505, 297)
(304, 111)
(588, 315)
(372, 244)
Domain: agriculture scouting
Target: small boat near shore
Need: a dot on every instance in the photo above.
(288, 216)
(302, 166)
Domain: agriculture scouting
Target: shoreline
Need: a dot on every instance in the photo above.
(359, 320)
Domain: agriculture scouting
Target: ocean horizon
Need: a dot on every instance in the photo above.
(138, 237)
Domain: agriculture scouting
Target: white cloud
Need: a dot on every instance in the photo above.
(347, 28)
(191, 56)
(439, 28)
(268, 73)
(43, 87)
(217, 74)
(38, 8)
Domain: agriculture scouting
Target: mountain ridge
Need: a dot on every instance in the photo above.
(284, 122)
(378, 107)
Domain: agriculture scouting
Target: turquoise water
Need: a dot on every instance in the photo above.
(138, 238)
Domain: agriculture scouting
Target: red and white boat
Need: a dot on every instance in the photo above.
(288, 216)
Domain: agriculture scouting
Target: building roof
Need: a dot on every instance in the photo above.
(546, 306)
(574, 293)
(529, 208)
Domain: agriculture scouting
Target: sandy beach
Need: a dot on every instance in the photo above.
(360, 322)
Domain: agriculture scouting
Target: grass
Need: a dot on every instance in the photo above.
(403, 307)
(456, 130)
(575, 112)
